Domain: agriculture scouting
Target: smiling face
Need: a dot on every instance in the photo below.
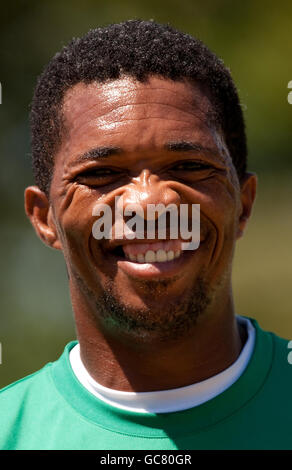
(151, 143)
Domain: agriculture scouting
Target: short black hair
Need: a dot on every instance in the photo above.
(138, 49)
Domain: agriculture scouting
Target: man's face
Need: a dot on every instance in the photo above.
(151, 143)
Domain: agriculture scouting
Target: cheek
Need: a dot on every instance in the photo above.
(217, 199)
(76, 221)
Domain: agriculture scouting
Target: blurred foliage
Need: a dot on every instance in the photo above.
(254, 40)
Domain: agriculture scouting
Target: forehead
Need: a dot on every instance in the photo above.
(115, 106)
(182, 95)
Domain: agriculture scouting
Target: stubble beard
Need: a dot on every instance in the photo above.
(171, 322)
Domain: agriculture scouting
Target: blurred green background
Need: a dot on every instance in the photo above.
(254, 40)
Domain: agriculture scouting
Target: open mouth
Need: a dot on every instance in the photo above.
(155, 252)
(151, 259)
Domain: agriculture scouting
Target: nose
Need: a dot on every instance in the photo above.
(148, 189)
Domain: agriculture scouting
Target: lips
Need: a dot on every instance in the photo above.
(151, 259)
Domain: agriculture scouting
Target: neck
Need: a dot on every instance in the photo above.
(120, 361)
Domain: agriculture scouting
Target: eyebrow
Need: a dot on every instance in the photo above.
(174, 146)
(186, 146)
(98, 153)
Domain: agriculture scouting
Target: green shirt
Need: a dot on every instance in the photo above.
(50, 409)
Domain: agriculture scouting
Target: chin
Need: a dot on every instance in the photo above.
(155, 315)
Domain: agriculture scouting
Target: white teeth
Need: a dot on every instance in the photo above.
(160, 256)
(140, 258)
(150, 256)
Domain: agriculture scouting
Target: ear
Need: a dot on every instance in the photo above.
(39, 211)
(248, 193)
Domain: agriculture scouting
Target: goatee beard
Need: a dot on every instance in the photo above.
(172, 321)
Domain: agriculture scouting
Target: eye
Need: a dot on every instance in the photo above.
(98, 172)
(97, 176)
(191, 166)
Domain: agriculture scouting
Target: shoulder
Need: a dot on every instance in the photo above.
(21, 386)
(28, 404)
(281, 346)
(282, 355)
(15, 398)
(280, 351)
(20, 401)
(38, 383)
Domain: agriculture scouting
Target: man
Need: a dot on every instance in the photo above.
(145, 114)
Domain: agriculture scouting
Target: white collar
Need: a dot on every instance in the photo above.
(167, 401)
